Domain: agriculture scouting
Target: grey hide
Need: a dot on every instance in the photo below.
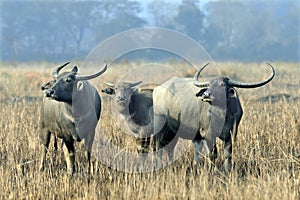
(70, 110)
(201, 112)
(132, 109)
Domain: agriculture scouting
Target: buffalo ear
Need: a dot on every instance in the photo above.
(231, 92)
(75, 69)
(108, 90)
(80, 86)
(134, 89)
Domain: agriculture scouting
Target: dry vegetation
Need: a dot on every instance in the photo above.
(266, 153)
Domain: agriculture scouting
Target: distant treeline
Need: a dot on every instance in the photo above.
(228, 30)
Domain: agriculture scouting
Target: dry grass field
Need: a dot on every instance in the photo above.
(266, 153)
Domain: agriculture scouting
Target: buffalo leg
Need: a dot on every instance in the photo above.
(55, 148)
(45, 140)
(199, 144)
(160, 129)
(88, 146)
(164, 149)
(55, 144)
(166, 145)
(169, 148)
(88, 157)
(228, 147)
(212, 157)
(143, 144)
(228, 155)
(201, 149)
(69, 152)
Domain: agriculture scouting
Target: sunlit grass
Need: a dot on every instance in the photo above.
(266, 153)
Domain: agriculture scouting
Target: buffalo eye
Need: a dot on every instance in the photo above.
(68, 79)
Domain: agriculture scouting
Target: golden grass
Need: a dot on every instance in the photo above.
(266, 154)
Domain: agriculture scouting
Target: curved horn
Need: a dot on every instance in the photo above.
(196, 77)
(253, 85)
(108, 84)
(135, 84)
(55, 73)
(87, 77)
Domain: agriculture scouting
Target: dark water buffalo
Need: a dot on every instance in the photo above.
(70, 110)
(132, 108)
(199, 111)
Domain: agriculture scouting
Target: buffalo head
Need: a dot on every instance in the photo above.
(63, 85)
(211, 90)
(122, 92)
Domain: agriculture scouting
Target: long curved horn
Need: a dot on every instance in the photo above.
(55, 73)
(253, 85)
(196, 77)
(135, 84)
(87, 77)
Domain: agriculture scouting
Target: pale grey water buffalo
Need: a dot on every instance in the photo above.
(199, 111)
(70, 110)
(48, 85)
(132, 109)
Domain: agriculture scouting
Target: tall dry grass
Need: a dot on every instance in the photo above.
(266, 154)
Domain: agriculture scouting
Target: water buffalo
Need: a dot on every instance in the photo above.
(70, 110)
(133, 110)
(199, 111)
(48, 85)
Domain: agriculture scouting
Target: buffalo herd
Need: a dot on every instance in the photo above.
(181, 107)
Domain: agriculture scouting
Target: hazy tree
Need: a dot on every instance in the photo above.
(117, 16)
(44, 30)
(290, 32)
(225, 19)
(77, 18)
(162, 13)
(251, 31)
(189, 19)
(16, 28)
(240, 30)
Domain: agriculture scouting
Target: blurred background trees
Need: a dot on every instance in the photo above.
(228, 30)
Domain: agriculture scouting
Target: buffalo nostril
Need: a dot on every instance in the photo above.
(49, 93)
(121, 98)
